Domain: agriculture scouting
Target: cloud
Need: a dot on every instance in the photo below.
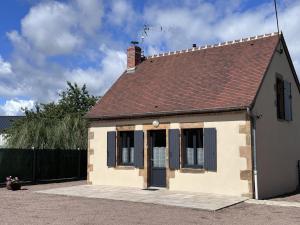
(89, 15)
(5, 67)
(99, 79)
(49, 28)
(57, 28)
(216, 24)
(14, 107)
(179, 27)
(122, 13)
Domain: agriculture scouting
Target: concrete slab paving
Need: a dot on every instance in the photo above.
(274, 203)
(160, 196)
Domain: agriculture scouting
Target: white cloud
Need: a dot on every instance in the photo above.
(89, 15)
(56, 28)
(205, 23)
(122, 13)
(99, 79)
(14, 107)
(181, 25)
(49, 28)
(5, 67)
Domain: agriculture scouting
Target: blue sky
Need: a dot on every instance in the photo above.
(44, 43)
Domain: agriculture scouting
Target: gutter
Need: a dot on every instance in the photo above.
(253, 119)
(165, 113)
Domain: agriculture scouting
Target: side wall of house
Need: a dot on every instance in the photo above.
(278, 142)
(234, 165)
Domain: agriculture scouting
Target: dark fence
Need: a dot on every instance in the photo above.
(42, 165)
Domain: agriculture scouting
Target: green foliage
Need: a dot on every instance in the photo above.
(54, 125)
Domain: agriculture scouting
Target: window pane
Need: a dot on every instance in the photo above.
(190, 156)
(125, 158)
(159, 157)
(200, 138)
(189, 142)
(194, 155)
(127, 147)
(131, 139)
(160, 139)
(200, 157)
(131, 155)
(280, 98)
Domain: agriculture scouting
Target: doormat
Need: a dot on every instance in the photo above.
(150, 189)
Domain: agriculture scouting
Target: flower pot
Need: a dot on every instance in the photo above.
(13, 186)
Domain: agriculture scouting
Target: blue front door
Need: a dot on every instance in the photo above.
(158, 158)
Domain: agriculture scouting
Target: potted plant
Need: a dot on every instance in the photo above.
(13, 183)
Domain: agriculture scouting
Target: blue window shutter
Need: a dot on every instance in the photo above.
(139, 149)
(287, 101)
(210, 149)
(111, 149)
(174, 149)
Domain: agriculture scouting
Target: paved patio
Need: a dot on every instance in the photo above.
(154, 196)
(28, 207)
(274, 203)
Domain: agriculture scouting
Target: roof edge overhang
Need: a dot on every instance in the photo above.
(171, 113)
(281, 39)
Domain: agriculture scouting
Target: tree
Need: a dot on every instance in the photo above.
(58, 125)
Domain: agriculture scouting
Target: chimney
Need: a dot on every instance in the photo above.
(134, 57)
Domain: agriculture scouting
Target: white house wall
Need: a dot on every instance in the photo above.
(278, 142)
(233, 176)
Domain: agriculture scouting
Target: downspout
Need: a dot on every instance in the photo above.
(253, 129)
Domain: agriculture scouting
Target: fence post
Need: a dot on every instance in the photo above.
(79, 163)
(34, 165)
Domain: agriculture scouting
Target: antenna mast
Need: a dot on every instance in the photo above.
(280, 50)
(275, 4)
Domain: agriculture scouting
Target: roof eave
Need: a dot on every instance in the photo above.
(284, 45)
(173, 113)
(265, 72)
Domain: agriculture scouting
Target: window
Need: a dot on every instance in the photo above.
(193, 151)
(280, 98)
(159, 149)
(283, 99)
(126, 149)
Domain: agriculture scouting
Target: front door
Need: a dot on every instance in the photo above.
(158, 158)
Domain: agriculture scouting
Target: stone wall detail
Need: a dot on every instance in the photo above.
(246, 152)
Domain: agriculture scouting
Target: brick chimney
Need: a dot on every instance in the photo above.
(134, 57)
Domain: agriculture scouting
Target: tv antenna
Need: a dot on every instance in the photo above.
(275, 5)
(147, 28)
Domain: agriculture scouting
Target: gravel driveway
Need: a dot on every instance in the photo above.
(28, 208)
(294, 197)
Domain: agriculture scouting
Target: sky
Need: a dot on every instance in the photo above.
(45, 43)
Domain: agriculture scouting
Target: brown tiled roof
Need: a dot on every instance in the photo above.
(220, 77)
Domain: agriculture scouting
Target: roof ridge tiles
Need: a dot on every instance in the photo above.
(220, 44)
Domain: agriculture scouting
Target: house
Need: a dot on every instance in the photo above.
(221, 119)
(5, 123)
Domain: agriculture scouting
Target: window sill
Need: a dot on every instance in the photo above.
(125, 167)
(192, 170)
(284, 121)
